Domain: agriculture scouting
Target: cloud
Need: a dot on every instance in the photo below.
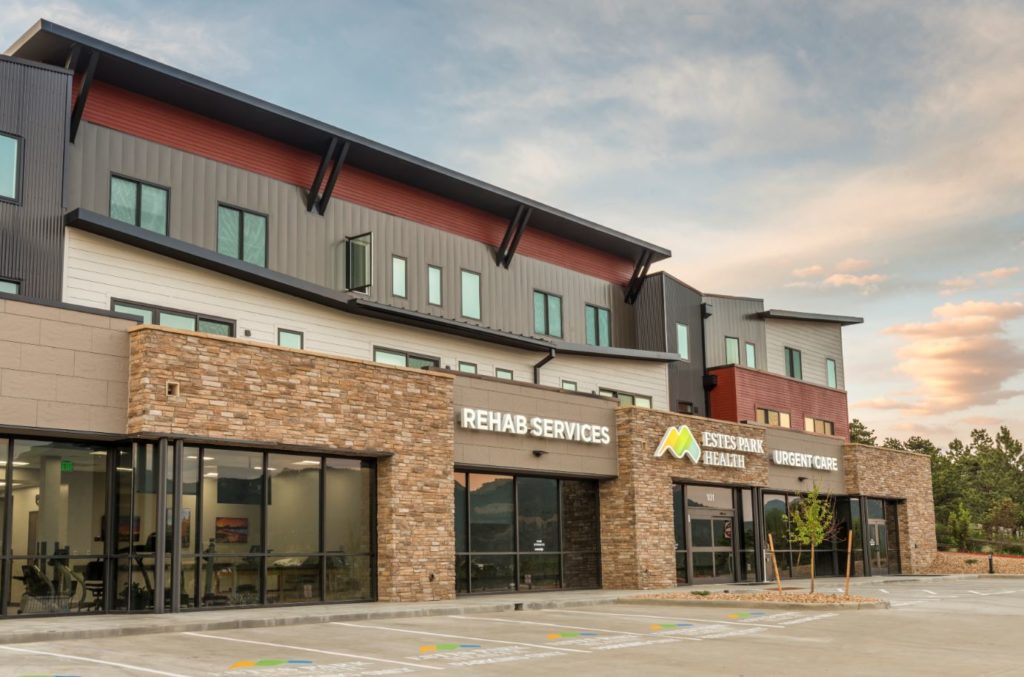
(808, 271)
(963, 357)
(865, 282)
(999, 273)
(990, 278)
(957, 284)
(852, 265)
(818, 277)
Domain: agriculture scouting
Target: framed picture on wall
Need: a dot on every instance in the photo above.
(232, 529)
(186, 526)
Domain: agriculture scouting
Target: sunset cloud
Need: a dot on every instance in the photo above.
(808, 271)
(999, 273)
(852, 265)
(865, 282)
(990, 278)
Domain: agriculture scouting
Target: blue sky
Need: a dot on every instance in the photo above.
(861, 158)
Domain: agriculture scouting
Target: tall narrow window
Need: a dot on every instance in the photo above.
(794, 366)
(683, 340)
(434, 290)
(830, 372)
(242, 235)
(471, 294)
(732, 350)
(398, 286)
(359, 262)
(598, 321)
(751, 355)
(547, 314)
(10, 159)
(10, 287)
(138, 204)
(290, 339)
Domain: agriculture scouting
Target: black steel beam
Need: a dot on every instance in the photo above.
(83, 94)
(314, 189)
(636, 282)
(499, 254)
(321, 206)
(518, 236)
(71, 63)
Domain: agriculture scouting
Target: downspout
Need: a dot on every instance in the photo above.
(536, 368)
(705, 313)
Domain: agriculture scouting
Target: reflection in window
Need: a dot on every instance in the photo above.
(242, 235)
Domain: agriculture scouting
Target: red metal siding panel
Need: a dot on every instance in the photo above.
(749, 389)
(162, 123)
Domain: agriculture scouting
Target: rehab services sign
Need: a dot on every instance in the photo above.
(533, 426)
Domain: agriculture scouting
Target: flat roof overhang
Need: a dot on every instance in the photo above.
(843, 320)
(51, 43)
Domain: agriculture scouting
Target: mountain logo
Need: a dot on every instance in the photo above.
(679, 441)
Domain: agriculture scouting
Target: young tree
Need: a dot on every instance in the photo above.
(811, 522)
(861, 434)
(960, 526)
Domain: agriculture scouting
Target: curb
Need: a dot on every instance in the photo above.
(758, 604)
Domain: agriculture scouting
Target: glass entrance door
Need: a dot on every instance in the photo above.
(878, 547)
(711, 546)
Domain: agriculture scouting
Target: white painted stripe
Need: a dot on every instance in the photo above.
(134, 668)
(883, 590)
(472, 639)
(668, 618)
(322, 651)
(569, 627)
(899, 604)
(974, 592)
(930, 592)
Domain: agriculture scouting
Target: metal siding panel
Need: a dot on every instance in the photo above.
(816, 341)
(34, 105)
(734, 317)
(686, 378)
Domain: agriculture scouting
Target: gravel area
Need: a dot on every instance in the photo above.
(762, 596)
(974, 563)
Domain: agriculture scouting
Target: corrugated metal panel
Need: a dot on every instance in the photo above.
(146, 118)
(686, 378)
(734, 317)
(311, 247)
(816, 341)
(650, 314)
(34, 106)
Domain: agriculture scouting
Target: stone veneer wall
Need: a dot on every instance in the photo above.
(232, 389)
(891, 473)
(637, 530)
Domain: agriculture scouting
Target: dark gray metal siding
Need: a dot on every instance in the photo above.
(685, 378)
(736, 317)
(650, 314)
(34, 103)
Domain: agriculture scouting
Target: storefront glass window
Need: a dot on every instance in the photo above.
(135, 499)
(538, 514)
(491, 513)
(348, 528)
(679, 522)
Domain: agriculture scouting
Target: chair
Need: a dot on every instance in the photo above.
(94, 583)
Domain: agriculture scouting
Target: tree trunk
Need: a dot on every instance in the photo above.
(812, 568)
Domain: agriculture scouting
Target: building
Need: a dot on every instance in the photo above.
(249, 358)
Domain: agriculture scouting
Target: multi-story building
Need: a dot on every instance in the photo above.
(250, 358)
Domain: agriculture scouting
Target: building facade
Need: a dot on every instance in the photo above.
(247, 358)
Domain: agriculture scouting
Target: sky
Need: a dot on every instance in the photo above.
(855, 158)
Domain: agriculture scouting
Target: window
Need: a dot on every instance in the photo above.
(471, 294)
(359, 262)
(628, 399)
(751, 356)
(794, 368)
(686, 408)
(816, 425)
(569, 385)
(434, 295)
(771, 417)
(10, 166)
(10, 287)
(398, 287)
(830, 372)
(732, 350)
(467, 367)
(503, 374)
(175, 319)
(138, 204)
(547, 314)
(598, 321)
(400, 359)
(242, 235)
(683, 340)
(290, 339)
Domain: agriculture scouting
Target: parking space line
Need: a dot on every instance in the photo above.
(445, 634)
(670, 618)
(52, 654)
(302, 648)
(568, 627)
(929, 592)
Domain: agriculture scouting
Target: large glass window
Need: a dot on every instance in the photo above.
(139, 204)
(434, 289)
(831, 373)
(547, 314)
(471, 294)
(359, 260)
(10, 161)
(175, 319)
(598, 324)
(732, 350)
(794, 363)
(683, 340)
(348, 529)
(242, 235)
(293, 528)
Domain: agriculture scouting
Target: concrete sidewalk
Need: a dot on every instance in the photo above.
(20, 630)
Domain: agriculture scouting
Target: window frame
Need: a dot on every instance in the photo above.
(566, 383)
(138, 201)
(767, 417)
(348, 264)
(750, 351)
(499, 370)
(157, 310)
(686, 327)
(832, 378)
(790, 363)
(19, 169)
(426, 358)
(16, 283)
(811, 425)
(479, 293)
(737, 340)
(468, 366)
(301, 335)
(547, 318)
(241, 234)
(440, 285)
(405, 276)
(618, 394)
(597, 325)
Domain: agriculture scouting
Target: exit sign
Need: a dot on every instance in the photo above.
(67, 466)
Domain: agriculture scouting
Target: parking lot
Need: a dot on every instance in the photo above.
(935, 626)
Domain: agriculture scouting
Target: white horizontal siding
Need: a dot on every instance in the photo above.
(98, 270)
(815, 340)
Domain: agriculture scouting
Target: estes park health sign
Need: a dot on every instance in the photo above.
(714, 448)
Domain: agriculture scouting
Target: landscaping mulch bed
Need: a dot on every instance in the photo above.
(974, 563)
(762, 596)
